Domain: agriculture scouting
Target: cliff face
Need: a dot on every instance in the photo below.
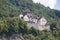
(12, 37)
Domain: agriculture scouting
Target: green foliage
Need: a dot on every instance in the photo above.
(14, 24)
(11, 23)
(29, 37)
(12, 8)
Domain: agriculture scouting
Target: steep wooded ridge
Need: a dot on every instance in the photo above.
(11, 8)
(11, 24)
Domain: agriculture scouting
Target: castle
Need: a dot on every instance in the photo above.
(37, 22)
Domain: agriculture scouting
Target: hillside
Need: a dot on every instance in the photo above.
(12, 8)
(10, 23)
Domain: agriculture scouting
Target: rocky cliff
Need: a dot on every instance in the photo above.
(12, 37)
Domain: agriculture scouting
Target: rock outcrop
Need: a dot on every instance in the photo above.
(12, 37)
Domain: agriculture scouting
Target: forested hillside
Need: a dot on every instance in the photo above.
(11, 23)
(12, 8)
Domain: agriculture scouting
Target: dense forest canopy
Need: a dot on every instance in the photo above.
(12, 8)
(11, 23)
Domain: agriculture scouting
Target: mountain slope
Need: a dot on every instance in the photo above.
(12, 8)
(10, 23)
